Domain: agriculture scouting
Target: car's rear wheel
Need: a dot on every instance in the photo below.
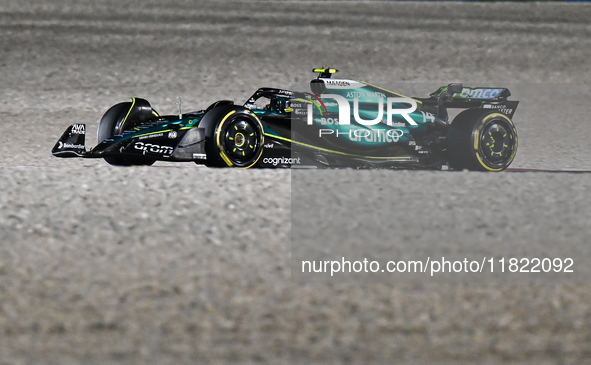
(111, 125)
(236, 139)
(481, 140)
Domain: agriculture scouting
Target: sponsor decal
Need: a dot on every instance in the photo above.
(500, 108)
(200, 156)
(268, 145)
(281, 160)
(286, 92)
(70, 145)
(295, 104)
(172, 135)
(374, 135)
(342, 84)
(337, 82)
(361, 94)
(78, 129)
(153, 148)
(151, 136)
(468, 93)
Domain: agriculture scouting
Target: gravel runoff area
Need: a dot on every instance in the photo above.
(172, 265)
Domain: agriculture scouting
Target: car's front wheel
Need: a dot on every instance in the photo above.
(481, 140)
(236, 139)
(111, 125)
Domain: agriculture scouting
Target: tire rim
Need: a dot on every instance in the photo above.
(241, 140)
(497, 143)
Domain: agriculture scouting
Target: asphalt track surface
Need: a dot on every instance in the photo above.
(172, 265)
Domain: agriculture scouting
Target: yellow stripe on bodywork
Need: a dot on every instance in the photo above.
(389, 91)
(337, 152)
(120, 125)
(164, 131)
(128, 112)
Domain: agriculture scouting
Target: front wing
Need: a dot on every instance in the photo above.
(187, 145)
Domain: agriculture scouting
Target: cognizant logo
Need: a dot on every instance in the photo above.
(282, 160)
(345, 110)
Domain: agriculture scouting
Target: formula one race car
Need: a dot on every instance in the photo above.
(340, 123)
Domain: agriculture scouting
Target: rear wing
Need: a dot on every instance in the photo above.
(477, 93)
(478, 97)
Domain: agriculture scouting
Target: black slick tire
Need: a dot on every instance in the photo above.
(481, 140)
(109, 126)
